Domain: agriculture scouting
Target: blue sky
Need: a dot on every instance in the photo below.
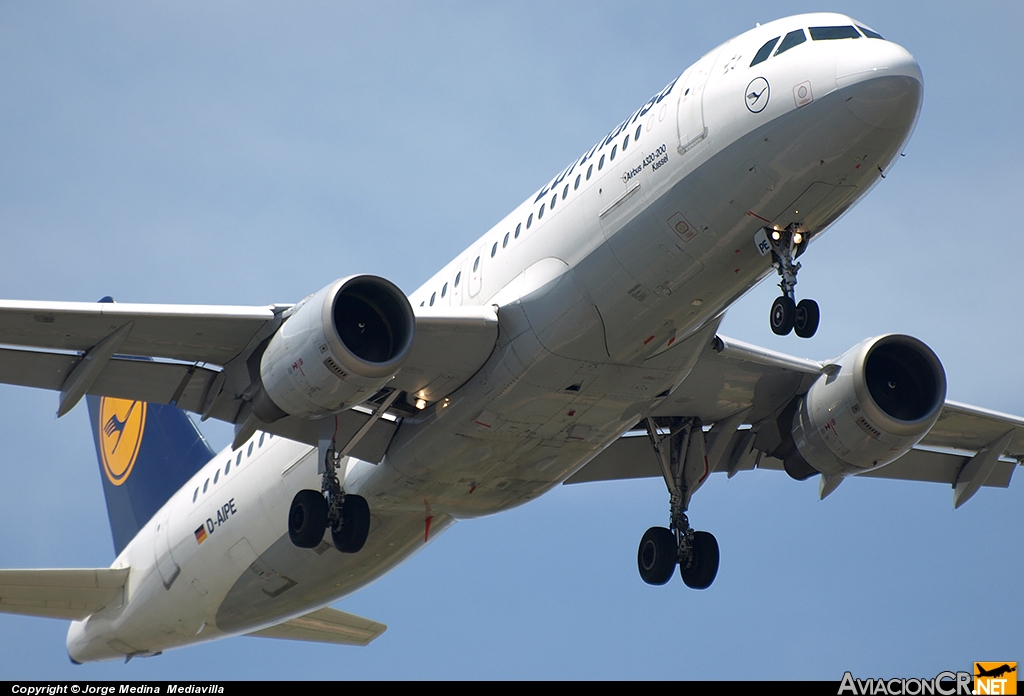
(240, 153)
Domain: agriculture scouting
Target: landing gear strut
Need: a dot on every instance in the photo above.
(684, 465)
(786, 314)
(313, 512)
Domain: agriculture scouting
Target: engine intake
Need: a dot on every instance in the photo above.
(336, 349)
(874, 403)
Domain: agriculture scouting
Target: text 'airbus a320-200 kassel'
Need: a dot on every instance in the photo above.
(576, 340)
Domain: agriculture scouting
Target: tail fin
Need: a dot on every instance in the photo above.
(146, 453)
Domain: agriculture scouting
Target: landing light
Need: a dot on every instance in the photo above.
(797, 238)
(421, 404)
(776, 236)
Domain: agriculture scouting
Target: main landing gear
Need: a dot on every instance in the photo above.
(786, 314)
(679, 444)
(313, 512)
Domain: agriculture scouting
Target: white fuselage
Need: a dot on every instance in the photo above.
(608, 283)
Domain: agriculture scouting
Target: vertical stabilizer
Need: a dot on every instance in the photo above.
(146, 453)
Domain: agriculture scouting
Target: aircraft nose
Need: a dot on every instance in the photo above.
(880, 83)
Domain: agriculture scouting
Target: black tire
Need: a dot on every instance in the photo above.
(807, 317)
(702, 571)
(355, 525)
(307, 519)
(783, 315)
(657, 555)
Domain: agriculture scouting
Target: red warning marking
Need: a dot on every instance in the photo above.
(427, 521)
(472, 488)
(706, 472)
(649, 339)
(751, 212)
(672, 340)
(483, 424)
(572, 413)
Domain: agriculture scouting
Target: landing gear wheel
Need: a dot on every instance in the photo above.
(351, 534)
(656, 557)
(307, 519)
(806, 318)
(783, 315)
(703, 567)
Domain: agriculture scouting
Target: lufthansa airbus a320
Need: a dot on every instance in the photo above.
(576, 340)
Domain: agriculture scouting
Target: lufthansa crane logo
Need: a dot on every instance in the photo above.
(757, 95)
(121, 424)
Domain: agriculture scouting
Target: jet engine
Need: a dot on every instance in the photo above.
(336, 349)
(869, 408)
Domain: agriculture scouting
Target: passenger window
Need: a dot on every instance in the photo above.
(206, 485)
(554, 199)
(793, 38)
(565, 191)
(625, 143)
(518, 227)
(870, 34)
(636, 136)
(494, 250)
(590, 170)
(238, 461)
(529, 221)
(249, 453)
(765, 51)
(600, 164)
(227, 467)
(423, 303)
(504, 242)
(612, 158)
(433, 295)
(829, 33)
(262, 435)
(458, 277)
(444, 289)
(577, 184)
(195, 495)
(540, 213)
(216, 477)
(476, 264)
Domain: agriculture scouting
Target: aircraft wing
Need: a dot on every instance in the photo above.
(60, 593)
(326, 625)
(739, 389)
(197, 357)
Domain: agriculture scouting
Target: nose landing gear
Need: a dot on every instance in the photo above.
(786, 314)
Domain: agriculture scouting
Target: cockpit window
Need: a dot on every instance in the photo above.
(793, 38)
(764, 52)
(870, 34)
(828, 33)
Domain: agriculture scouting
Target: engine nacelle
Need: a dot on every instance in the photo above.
(876, 402)
(336, 349)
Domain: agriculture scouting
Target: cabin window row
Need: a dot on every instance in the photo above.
(547, 205)
(237, 461)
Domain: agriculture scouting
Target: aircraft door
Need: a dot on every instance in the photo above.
(476, 272)
(690, 114)
(165, 563)
(459, 281)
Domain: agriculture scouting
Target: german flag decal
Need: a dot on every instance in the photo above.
(201, 534)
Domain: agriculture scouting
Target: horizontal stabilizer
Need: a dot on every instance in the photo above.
(326, 625)
(60, 593)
